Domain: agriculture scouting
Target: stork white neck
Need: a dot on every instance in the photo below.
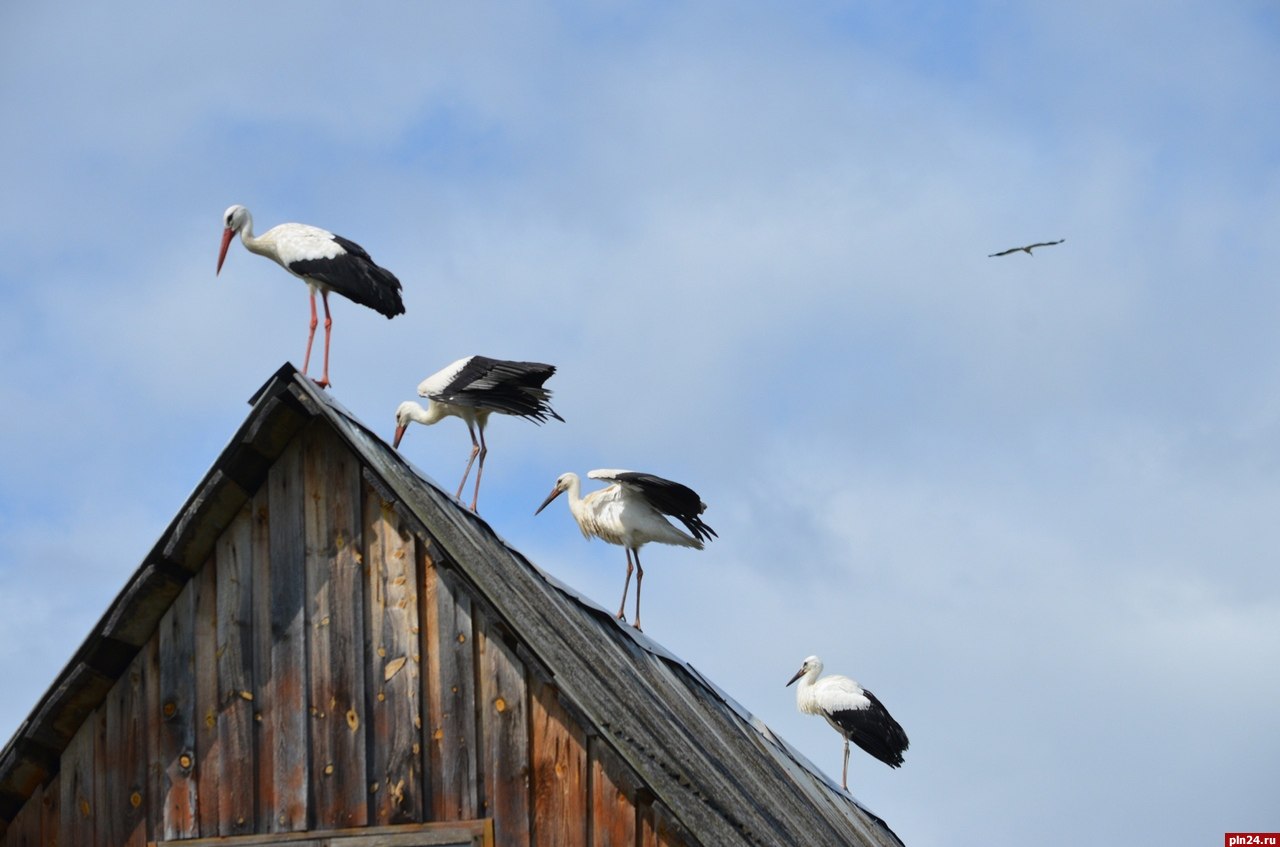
(240, 221)
(577, 506)
(806, 701)
(411, 411)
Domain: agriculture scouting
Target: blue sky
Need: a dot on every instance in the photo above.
(1030, 501)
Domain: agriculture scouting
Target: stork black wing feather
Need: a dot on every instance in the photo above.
(672, 498)
(512, 388)
(355, 275)
(874, 730)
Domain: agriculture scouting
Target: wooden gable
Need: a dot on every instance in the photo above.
(324, 648)
(327, 669)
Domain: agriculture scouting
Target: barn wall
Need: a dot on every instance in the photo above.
(329, 668)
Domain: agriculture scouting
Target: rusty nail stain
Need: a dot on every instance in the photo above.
(170, 709)
(500, 704)
(135, 799)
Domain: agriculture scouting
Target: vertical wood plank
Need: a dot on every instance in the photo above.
(260, 593)
(205, 666)
(613, 811)
(394, 662)
(51, 813)
(151, 723)
(504, 734)
(666, 832)
(24, 829)
(234, 556)
(450, 694)
(174, 801)
(559, 756)
(121, 815)
(285, 716)
(336, 681)
(76, 822)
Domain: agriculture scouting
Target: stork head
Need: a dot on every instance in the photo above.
(404, 414)
(561, 486)
(811, 665)
(234, 219)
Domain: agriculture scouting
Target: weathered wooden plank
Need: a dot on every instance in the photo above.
(51, 813)
(613, 808)
(336, 681)
(394, 665)
(504, 734)
(79, 690)
(205, 670)
(25, 764)
(153, 777)
(450, 694)
(24, 830)
(122, 815)
(477, 833)
(260, 591)
(192, 534)
(657, 826)
(559, 753)
(285, 693)
(174, 801)
(236, 793)
(77, 800)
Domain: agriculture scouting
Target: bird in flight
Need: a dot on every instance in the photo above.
(1026, 249)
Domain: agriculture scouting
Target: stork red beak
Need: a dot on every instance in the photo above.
(399, 434)
(799, 674)
(555, 492)
(227, 235)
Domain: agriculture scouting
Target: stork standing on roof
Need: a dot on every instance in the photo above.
(325, 262)
(472, 389)
(631, 512)
(853, 711)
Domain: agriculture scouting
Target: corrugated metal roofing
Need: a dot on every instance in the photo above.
(725, 776)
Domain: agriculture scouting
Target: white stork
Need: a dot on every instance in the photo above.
(472, 389)
(630, 512)
(852, 711)
(1027, 249)
(325, 262)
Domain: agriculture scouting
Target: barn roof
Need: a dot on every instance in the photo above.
(725, 776)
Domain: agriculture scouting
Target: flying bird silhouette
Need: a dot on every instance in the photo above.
(1026, 249)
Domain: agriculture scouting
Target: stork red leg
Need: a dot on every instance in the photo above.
(475, 498)
(311, 334)
(323, 381)
(622, 609)
(639, 579)
(475, 451)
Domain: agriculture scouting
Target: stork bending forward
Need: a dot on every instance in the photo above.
(472, 389)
